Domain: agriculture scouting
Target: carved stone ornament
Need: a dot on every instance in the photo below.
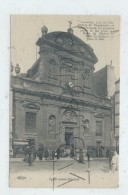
(31, 105)
(65, 42)
(99, 115)
(69, 116)
(86, 74)
(52, 125)
(85, 125)
(17, 69)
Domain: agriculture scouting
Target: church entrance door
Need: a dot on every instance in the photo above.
(69, 135)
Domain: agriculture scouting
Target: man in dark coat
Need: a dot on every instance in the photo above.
(81, 156)
(58, 153)
(46, 153)
(53, 154)
(40, 152)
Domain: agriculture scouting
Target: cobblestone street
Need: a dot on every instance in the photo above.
(62, 173)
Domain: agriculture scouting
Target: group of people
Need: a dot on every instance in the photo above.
(42, 152)
(50, 153)
(113, 160)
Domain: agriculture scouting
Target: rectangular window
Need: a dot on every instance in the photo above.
(98, 128)
(30, 123)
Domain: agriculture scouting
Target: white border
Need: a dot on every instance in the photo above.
(68, 7)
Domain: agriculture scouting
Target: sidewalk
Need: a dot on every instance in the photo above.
(43, 160)
(61, 159)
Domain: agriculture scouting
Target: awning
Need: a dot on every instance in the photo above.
(20, 143)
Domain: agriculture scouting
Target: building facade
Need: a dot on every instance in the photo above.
(117, 113)
(104, 82)
(55, 103)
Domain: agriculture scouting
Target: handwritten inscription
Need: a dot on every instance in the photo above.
(98, 30)
(21, 177)
(63, 179)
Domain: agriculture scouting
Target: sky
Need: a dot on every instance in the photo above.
(26, 29)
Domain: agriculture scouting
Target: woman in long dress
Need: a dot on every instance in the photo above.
(81, 156)
(40, 152)
(46, 154)
(114, 162)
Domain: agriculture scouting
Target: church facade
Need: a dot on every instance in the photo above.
(55, 103)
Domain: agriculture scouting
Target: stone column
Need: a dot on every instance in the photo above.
(62, 134)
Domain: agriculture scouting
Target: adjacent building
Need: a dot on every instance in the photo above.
(104, 81)
(117, 113)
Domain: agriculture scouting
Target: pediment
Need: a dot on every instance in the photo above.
(64, 41)
(31, 105)
(99, 116)
(69, 116)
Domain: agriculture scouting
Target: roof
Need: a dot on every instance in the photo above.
(65, 41)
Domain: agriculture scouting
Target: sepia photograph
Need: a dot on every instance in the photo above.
(64, 101)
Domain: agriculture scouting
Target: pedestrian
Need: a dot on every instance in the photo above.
(46, 153)
(77, 154)
(97, 154)
(100, 152)
(58, 153)
(53, 154)
(103, 151)
(26, 154)
(50, 153)
(72, 153)
(114, 162)
(110, 158)
(29, 157)
(34, 153)
(81, 156)
(40, 152)
(88, 157)
(107, 153)
(68, 151)
(62, 152)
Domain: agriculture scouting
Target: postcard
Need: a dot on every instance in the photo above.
(64, 101)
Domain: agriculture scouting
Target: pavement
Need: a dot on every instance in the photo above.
(60, 159)
(62, 173)
(43, 160)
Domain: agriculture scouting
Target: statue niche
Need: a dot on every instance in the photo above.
(86, 76)
(85, 126)
(52, 71)
(52, 125)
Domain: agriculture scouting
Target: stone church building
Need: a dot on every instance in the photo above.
(57, 101)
